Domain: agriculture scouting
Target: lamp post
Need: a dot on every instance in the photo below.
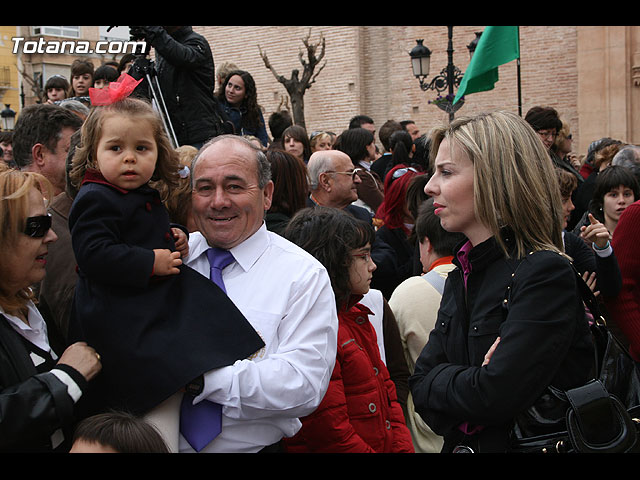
(449, 77)
(474, 43)
(8, 117)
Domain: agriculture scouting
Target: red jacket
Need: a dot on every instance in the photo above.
(625, 308)
(360, 411)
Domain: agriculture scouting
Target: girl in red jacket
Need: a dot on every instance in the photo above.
(360, 411)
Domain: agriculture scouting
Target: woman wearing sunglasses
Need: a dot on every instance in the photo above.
(39, 382)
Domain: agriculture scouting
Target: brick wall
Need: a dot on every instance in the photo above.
(586, 72)
(368, 70)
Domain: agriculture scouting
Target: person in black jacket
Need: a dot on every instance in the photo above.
(511, 322)
(40, 380)
(185, 72)
(592, 255)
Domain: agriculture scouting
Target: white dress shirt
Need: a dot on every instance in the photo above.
(286, 295)
(374, 301)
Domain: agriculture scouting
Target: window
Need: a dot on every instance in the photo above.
(72, 32)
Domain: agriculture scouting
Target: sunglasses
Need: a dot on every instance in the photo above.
(403, 171)
(37, 227)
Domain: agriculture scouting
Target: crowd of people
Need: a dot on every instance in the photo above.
(375, 290)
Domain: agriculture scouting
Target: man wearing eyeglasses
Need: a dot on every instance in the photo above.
(334, 182)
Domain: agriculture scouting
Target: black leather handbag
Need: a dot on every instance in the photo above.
(602, 416)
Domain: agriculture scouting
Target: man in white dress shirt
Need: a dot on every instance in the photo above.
(284, 293)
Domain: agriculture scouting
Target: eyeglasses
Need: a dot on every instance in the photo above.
(364, 256)
(547, 133)
(353, 173)
(37, 227)
(403, 171)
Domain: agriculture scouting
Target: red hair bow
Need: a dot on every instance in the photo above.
(121, 88)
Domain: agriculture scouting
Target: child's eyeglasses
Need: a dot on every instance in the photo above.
(364, 256)
(38, 227)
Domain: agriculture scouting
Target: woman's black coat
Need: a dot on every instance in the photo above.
(539, 316)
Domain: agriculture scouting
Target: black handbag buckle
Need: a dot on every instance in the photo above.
(598, 423)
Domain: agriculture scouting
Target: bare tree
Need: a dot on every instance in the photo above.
(36, 86)
(296, 86)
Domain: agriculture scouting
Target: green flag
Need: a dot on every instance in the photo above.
(497, 45)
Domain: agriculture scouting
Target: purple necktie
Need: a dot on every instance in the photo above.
(201, 423)
(218, 259)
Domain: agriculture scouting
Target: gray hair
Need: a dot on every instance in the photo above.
(263, 166)
(75, 106)
(629, 157)
(319, 162)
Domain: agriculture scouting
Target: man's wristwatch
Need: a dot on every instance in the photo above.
(195, 386)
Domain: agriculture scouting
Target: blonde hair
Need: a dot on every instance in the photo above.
(15, 186)
(167, 164)
(318, 137)
(186, 154)
(178, 201)
(515, 184)
(604, 156)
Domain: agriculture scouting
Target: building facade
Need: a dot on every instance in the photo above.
(9, 79)
(590, 74)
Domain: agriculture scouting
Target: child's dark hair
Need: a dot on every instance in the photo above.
(330, 235)
(608, 179)
(106, 72)
(123, 432)
(168, 163)
(56, 81)
(428, 226)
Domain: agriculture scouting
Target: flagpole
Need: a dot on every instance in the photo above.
(519, 82)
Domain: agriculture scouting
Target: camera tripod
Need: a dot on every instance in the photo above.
(147, 67)
(144, 67)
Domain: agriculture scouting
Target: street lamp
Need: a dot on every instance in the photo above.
(420, 59)
(449, 77)
(8, 117)
(474, 43)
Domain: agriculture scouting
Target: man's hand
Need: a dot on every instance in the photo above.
(182, 243)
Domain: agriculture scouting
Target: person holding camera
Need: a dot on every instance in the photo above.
(185, 73)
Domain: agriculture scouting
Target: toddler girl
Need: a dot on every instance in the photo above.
(157, 323)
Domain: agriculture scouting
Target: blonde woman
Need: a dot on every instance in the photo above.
(320, 141)
(511, 321)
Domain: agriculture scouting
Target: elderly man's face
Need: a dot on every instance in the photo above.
(228, 204)
(343, 184)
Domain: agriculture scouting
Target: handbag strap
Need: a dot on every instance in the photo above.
(599, 330)
(588, 297)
